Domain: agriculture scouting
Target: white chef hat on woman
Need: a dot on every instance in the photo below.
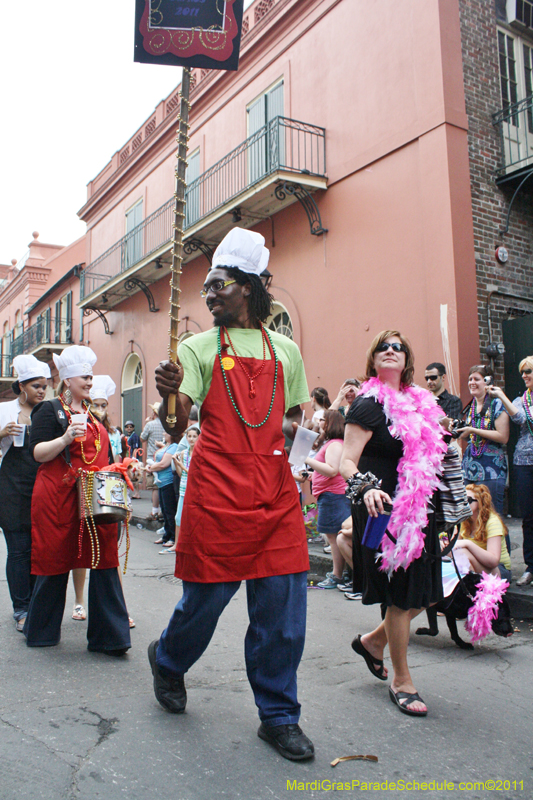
(103, 387)
(28, 367)
(75, 361)
(243, 249)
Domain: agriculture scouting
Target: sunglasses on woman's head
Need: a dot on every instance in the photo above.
(396, 346)
(526, 372)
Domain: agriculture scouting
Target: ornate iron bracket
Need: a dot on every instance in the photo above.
(193, 245)
(505, 230)
(135, 283)
(307, 201)
(88, 310)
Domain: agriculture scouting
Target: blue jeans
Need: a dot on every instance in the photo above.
(505, 574)
(273, 645)
(168, 503)
(18, 570)
(524, 486)
(108, 626)
(497, 491)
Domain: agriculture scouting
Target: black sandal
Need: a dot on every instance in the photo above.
(371, 661)
(408, 698)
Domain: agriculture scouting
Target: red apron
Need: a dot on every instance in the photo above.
(241, 514)
(55, 517)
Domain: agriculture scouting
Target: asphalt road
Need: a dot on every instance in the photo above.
(74, 724)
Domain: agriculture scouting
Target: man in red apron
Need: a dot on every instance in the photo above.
(241, 518)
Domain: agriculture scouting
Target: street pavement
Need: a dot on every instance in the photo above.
(79, 725)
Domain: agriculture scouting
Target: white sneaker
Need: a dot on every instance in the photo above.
(526, 579)
(160, 531)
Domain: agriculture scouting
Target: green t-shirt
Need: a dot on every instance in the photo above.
(197, 355)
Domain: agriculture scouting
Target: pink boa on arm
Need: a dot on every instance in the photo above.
(414, 416)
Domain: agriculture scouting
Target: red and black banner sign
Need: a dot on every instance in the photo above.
(189, 33)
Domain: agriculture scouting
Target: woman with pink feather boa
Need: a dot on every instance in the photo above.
(393, 436)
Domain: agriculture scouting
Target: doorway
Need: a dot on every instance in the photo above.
(518, 340)
(132, 391)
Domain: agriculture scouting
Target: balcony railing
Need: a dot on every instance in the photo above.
(281, 145)
(6, 363)
(515, 126)
(45, 331)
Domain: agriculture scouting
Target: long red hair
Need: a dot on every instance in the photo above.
(485, 508)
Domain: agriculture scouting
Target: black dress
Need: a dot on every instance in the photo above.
(420, 584)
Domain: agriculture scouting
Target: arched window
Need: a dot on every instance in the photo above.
(280, 320)
(185, 335)
(138, 376)
(132, 390)
(132, 374)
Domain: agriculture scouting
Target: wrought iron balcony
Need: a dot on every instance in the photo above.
(6, 371)
(47, 333)
(515, 126)
(283, 151)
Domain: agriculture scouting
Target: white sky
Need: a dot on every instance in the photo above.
(70, 96)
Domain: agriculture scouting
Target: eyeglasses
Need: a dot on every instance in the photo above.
(526, 372)
(432, 377)
(396, 346)
(216, 286)
(471, 500)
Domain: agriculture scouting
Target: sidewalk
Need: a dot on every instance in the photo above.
(520, 598)
(141, 511)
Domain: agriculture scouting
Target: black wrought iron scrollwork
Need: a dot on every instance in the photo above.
(134, 283)
(88, 310)
(505, 230)
(193, 245)
(306, 199)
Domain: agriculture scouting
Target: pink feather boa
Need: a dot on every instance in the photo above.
(489, 593)
(414, 415)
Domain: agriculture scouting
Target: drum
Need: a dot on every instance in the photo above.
(103, 496)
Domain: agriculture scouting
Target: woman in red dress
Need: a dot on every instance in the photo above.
(60, 541)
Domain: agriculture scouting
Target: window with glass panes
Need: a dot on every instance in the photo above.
(267, 149)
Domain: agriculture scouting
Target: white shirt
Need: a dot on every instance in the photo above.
(9, 412)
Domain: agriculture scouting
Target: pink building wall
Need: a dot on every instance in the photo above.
(399, 243)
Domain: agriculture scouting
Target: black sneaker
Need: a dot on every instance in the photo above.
(289, 740)
(169, 691)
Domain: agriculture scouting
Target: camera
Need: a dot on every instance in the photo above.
(489, 380)
(454, 429)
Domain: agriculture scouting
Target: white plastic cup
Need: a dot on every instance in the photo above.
(303, 442)
(18, 438)
(80, 419)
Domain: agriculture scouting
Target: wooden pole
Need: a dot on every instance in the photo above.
(182, 140)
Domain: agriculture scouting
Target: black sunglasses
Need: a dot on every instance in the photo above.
(526, 372)
(396, 346)
(471, 500)
(432, 377)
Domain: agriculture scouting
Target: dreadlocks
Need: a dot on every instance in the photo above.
(260, 300)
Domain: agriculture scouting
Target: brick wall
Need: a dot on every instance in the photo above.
(490, 204)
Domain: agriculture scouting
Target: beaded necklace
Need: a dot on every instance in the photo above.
(526, 400)
(251, 378)
(91, 423)
(482, 421)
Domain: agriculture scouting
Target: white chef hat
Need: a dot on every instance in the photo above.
(74, 361)
(103, 387)
(28, 367)
(243, 249)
